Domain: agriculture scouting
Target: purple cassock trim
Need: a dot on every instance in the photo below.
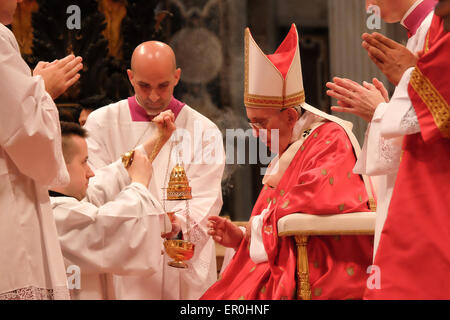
(138, 113)
(413, 21)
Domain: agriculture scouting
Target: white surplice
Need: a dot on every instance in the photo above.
(31, 263)
(116, 229)
(380, 156)
(111, 133)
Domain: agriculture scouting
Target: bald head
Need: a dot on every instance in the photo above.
(153, 53)
(153, 75)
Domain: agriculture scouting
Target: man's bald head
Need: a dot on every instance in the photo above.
(153, 75)
(153, 52)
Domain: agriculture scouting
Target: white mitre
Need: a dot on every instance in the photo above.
(273, 81)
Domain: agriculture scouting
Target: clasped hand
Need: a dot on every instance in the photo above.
(59, 75)
(392, 58)
(360, 100)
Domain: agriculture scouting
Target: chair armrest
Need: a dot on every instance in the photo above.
(356, 223)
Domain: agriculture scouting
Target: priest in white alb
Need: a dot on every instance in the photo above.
(197, 143)
(389, 120)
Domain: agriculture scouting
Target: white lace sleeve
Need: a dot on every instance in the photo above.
(195, 233)
(409, 123)
(400, 118)
(389, 151)
(379, 156)
(34, 293)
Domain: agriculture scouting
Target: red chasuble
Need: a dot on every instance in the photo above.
(319, 180)
(414, 250)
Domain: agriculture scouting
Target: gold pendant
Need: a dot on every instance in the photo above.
(127, 159)
(179, 189)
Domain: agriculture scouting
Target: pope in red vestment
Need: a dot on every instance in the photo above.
(315, 177)
(414, 253)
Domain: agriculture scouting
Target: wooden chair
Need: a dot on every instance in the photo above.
(301, 226)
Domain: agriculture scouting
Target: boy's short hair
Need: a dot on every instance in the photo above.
(69, 129)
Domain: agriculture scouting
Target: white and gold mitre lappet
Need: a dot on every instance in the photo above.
(275, 80)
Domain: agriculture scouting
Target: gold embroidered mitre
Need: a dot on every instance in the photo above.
(273, 81)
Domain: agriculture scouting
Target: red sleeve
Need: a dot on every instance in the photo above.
(428, 88)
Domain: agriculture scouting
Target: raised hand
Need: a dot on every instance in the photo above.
(354, 98)
(165, 122)
(392, 58)
(59, 75)
(225, 232)
(140, 170)
(380, 87)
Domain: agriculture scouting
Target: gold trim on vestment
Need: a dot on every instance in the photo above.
(292, 100)
(246, 52)
(434, 101)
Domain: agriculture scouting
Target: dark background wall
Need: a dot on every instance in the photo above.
(208, 39)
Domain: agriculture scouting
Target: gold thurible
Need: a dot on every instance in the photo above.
(179, 189)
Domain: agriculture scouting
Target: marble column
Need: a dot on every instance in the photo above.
(242, 193)
(260, 17)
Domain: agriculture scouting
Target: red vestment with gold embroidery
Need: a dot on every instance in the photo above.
(319, 180)
(414, 252)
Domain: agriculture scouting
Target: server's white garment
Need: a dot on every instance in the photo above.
(31, 263)
(380, 156)
(116, 229)
(111, 133)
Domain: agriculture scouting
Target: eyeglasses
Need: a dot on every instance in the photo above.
(263, 124)
(258, 125)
